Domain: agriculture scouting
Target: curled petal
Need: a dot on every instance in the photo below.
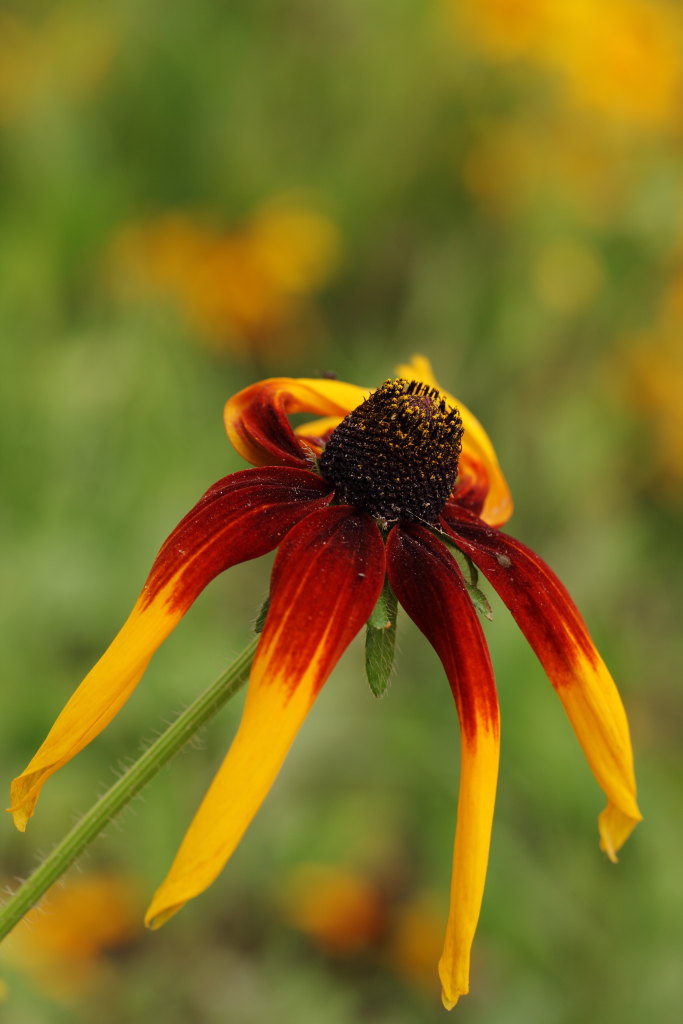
(241, 517)
(326, 579)
(476, 445)
(256, 418)
(552, 624)
(430, 586)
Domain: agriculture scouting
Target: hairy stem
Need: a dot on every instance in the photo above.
(125, 788)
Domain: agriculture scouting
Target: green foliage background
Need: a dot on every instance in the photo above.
(110, 413)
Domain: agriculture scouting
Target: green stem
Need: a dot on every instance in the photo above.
(125, 788)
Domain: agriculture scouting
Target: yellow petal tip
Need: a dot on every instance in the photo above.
(24, 793)
(158, 914)
(454, 983)
(19, 816)
(615, 826)
(450, 999)
(23, 803)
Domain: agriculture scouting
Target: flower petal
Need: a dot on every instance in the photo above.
(476, 444)
(472, 486)
(241, 517)
(256, 418)
(552, 624)
(316, 433)
(430, 586)
(326, 579)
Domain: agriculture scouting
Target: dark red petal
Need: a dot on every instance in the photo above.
(326, 579)
(256, 418)
(261, 428)
(239, 518)
(554, 628)
(539, 602)
(430, 586)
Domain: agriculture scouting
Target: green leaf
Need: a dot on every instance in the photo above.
(380, 641)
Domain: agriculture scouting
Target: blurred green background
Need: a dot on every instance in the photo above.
(196, 195)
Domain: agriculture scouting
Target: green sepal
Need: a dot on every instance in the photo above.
(480, 601)
(261, 617)
(471, 577)
(465, 563)
(380, 641)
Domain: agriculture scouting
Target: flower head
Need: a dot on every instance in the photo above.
(396, 455)
(379, 488)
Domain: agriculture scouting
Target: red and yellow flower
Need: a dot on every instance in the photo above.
(381, 486)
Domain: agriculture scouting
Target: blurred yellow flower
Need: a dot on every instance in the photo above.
(350, 912)
(654, 383)
(65, 55)
(415, 940)
(245, 290)
(340, 909)
(62, 942)
(503, 29)
(517, 163)
(672, 304)
(622, 59)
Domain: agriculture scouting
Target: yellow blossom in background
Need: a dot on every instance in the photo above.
(415, 941)
(503, 29)
(64, 56)
(515, 164)
(62, 943)
(653, 373)
(672, 304)
(341, 910)
(246, 290)
(621, 59)
(353, 912)
(297, 247)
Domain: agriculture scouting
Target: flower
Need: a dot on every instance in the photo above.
(343, 911)
(652, 375)
(64, 942)
(64, 56)
(361, 912)
(247, 290)
(620, 60)
(383, 484)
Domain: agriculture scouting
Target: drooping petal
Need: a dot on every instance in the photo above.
(476, 444)
(552, 624)
(239, 518)
(430, 586)
(256, 418)
(326, 579)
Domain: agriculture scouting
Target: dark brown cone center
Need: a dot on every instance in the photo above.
(396, 455)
